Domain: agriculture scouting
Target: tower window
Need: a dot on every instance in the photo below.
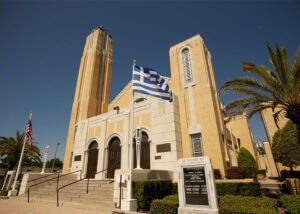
(196, 141)
(187, 67)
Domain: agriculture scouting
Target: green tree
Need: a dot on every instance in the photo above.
(278, 89)
(10, 151)
(247, 161)
(57, 164)
(285, 148)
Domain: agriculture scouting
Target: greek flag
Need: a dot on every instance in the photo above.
(148, 81)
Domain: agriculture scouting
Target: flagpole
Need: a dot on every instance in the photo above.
(131, 126)
(21, 158)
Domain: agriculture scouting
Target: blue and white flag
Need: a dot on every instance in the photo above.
(148, 81)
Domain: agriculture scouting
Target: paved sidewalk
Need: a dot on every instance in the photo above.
(15, 206)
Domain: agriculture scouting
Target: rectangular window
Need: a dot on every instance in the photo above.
(196, 141)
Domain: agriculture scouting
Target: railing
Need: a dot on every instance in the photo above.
(74, 182)
(57, 182)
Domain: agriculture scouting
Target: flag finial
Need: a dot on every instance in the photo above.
(134, 62)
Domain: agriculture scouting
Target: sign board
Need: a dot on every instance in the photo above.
(195, 186)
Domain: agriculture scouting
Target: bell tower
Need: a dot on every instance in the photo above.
(194, 84)
(92, 94)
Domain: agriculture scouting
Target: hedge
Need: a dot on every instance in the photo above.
(227, 204)
(244, 189)
(168, 204)
(146, 191)
(246, 204)
(3, 192)
(291, 203)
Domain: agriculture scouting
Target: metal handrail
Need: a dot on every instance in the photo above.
(28, 190)
(74, 182)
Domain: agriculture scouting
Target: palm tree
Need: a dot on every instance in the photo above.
(10, 150)
(278, 89)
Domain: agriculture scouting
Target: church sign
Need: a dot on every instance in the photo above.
(196, 186)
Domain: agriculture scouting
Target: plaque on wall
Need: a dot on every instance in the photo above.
(158, 157)
(195, 186)
(77, 158)
(166, 147)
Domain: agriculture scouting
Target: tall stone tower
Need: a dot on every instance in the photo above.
(92, 95)
(193, 82)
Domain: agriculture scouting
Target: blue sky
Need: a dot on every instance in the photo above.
(41, 43)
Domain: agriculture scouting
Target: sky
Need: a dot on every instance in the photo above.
(41, 44)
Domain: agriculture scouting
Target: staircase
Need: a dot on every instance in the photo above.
(99, 196)
(272, 188)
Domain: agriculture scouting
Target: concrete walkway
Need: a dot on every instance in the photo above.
(15, 206)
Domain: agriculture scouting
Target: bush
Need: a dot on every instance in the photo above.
(235, 173)
(174, 188)
(242, 204)
(3, 192)
(291, 203)
(244, 189)
(168, 204)
(261, 172)
(217, 174)
(289, 174)
(247, 161)
(146, 191)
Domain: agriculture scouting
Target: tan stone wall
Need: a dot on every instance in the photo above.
(268, 120)
(198, 102)
(92, 94)
(241, 130)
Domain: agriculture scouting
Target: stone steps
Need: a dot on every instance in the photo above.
(271, 188)
(100, 195)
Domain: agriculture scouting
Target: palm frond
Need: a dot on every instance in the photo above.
(246, 82)
(296, 73)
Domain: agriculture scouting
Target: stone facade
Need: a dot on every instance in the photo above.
(190, 126)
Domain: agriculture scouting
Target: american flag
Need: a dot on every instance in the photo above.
(29, 132)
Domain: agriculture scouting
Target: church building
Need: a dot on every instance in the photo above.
(192, 125)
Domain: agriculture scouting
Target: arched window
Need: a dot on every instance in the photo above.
(93, 145)
(114, 156)
(144, 152)
(92, 160)
(187, 67)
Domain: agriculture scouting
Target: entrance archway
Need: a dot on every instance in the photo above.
(92, 160)
(114, 156)
(145, 152)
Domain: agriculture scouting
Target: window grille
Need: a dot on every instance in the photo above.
(197, 145)
(187, 67)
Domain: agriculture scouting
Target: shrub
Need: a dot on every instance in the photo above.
(174, 188)
(168, 204)
(244, 189)
(291, 203)
(235, 173)
(247, 161)
(261, 171)
(217, 174)
(146, 191)
(289, 174)
(242, 204)
(3, 192)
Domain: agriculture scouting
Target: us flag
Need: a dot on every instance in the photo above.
(29, 132)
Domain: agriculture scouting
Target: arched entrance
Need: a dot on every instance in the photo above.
(114, 156)
(92, 160)
(145, 152)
